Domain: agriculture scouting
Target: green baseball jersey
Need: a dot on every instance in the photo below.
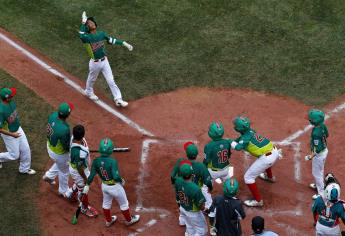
(188, 195)
(217, 154)
(79, 156)
(200, 175)
(9, 120)
(329, 213)
(318, 137)
(253, 143)
(94, 43)
(106, 168)
(58, 134)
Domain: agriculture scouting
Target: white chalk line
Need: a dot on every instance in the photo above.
(75, 86)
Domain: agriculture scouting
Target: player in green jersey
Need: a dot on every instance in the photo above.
(262, 149)
(318, 147)
(217, 153)
(191, 202)
(12, 133)
(112, 183)
(58, 146)
(94, 42)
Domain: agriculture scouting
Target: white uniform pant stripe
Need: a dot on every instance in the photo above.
(17, 148)
(318, 167)
(195, 223)
(114, 191)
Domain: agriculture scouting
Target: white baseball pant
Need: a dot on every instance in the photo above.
(223, 174)
(260, 165)
(17, 148)
(78, 180)
(322, 230)
(318, 168)
(114, 191)
(60, 168)
(195, 223)
(102, 66)
(207, 195)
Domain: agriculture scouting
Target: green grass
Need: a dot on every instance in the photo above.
(20, 193)
(291, 47)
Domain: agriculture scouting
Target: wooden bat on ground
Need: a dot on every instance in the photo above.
(119, 149)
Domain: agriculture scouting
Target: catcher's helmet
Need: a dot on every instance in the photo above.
(230, 187)
(216, 131)
(241, 124)
(332, 192)
(316, 116)
(106, 147)
(192, 151)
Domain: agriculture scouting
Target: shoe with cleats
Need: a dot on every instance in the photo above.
(213, 231)
(29, 172)
(89, 211)
(48, 180)
(135, 219)
(312, 186)
(253, 203)
(264, 176)
(315, 196)
(121, 103)
(92, 96)
(113, 219)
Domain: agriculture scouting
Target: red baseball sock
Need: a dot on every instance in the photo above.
(255, 191)
(85, 201)
(269, 173)
(107, 215)
(127, 215)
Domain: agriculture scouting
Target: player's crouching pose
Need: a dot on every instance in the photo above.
(191, 202)
(328, 209)
(259, 147)
(112, 184)
(79, 171)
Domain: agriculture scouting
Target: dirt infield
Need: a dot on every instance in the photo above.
(173, 118)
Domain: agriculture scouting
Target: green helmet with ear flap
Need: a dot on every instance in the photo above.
(186, 170)
(216, 131)
(241, 124)
(192, 151)
(230, 187)
(106, 147)
(316, 117)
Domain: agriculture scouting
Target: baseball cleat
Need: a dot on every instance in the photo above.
(89, 211)
(48, 180)
(253, 203)
(92, 96)
(134, 220)
(315, 196)
(213, 231)
(264, 176)
(121, 103)
(312, 186)
(29, 172)
(113, 219)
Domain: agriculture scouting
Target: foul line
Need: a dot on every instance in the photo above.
(74, 85)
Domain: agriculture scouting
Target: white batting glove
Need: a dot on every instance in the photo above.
(308, 157)
(86, 189)
(128, 46)
(83, 17)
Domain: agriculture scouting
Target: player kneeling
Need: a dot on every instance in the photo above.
(78, 168)
(112, 184)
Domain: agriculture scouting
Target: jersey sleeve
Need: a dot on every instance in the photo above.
(174, 172)
(83, 33)
(115, 171)
(65, 139)
(243, 142)
(92, 173)
(112, 40)
(207, 179)
(206, 155)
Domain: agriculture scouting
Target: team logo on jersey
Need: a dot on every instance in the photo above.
(96, 46)
(12, 117)
(50, 130)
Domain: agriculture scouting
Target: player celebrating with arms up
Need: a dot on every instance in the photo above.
(259, 147)
(94, 41)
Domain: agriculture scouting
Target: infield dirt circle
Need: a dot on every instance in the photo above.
(174, 118)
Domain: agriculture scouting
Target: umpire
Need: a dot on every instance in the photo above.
(227, 211)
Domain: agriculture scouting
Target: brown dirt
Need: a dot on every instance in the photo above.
(173, 116)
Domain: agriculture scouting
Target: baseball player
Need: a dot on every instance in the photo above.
(258, 227)
(191, 202)
(94, 42)
(58, 145)
(200, 176)
(264, 152)
(328, 210)
(12, 133)
(227, 211)
(78, 168)
(318, 147)
(217, 153)
(112, 184)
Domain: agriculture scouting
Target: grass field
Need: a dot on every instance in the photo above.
(292, 48)
(19, 193)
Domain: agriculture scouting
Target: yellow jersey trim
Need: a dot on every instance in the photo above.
(256, 151)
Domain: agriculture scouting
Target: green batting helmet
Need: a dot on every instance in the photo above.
(216, 131)
(230, 187)
(192, 151)
(186, 170)
(241, 124)
(316, 116)
(106, 147)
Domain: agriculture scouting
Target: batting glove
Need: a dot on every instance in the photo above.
(128, 46)
(308, 157)
(86, 189)
(83, 17)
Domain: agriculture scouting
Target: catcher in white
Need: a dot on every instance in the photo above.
(94, 42)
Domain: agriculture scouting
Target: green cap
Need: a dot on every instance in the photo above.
(65, 108)
(192, 151)
(6, 93)
(316, 117)
(106, 147)
(186, 170)
(230, 187)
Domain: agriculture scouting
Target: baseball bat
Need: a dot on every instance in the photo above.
(76, 215)
(119, 149)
